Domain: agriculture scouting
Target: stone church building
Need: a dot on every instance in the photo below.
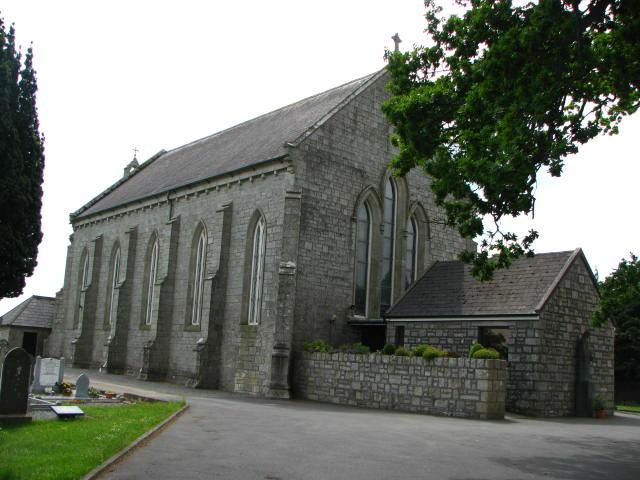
(211, 264)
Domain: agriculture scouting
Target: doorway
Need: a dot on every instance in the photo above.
(30, 342)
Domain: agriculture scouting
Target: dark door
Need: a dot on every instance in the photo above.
(374, 336)
(30, 342)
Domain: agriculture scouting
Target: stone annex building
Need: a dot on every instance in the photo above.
(211, 264)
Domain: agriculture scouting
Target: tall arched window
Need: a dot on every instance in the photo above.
(363, 248)
(389, 223)
(411, 266)
(83, 283)
(115, 275)
(151, 281)
(257, 272)
(198, 278)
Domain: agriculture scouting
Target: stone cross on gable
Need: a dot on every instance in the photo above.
(396, 41)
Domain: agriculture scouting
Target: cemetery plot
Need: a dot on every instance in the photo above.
(81, 444)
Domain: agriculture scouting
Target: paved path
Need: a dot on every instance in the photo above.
(226, 436)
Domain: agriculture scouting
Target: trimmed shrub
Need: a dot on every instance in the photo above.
(432, 352)
(388, 349)
(419, 350)
(317, 346)
(475, 346)
(402, 352)
(488, 353)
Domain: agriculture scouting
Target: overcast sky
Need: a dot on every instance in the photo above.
(152, 75)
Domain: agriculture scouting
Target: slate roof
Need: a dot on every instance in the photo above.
(255, 141)
(447, 289)
(35, 312)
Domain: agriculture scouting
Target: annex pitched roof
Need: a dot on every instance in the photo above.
(448, 290)
(262, 139)
(34, 312)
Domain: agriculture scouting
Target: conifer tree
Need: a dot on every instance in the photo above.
(21, 166)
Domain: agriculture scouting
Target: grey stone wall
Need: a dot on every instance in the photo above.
(457, 336)
(458, 387)
(244, 352)
(347, 155)
(563, 319)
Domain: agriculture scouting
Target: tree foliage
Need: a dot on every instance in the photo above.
(503, 91)
(21, 166)
(620, 303)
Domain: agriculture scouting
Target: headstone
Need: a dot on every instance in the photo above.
(82, 386)
(584, 378)
(14, 387)
(48, 373)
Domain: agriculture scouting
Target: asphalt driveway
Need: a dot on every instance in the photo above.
(225, 436)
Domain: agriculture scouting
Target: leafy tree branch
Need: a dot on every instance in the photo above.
(500, 93)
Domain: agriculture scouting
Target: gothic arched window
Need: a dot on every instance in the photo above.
(363, 249)
(411, 266)
(257, 271)
(197, 286)
(115, 275)
(83, 283)
(152, 274)
(388, 236)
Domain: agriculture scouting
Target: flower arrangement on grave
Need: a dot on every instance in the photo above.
(66, 388)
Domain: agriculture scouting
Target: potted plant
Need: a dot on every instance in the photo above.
(599, 406)
(110, 395)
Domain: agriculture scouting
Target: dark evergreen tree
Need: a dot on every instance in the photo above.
(21, 166)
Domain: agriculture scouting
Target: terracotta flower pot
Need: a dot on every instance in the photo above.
(601, 414)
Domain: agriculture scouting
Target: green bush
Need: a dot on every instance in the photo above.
(388, 349)
(317, 346)
(488, 353)
(475, 346)
(360, 348)
(432, 352)
(402, 352)
(419, 350)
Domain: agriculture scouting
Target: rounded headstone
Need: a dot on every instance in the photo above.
(14, 386)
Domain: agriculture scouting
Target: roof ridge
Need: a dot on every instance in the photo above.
(370, 79)
(237, 125)
(563, 271)
(18, 309)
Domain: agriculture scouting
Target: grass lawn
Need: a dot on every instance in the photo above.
(628, 408)
(67, 449)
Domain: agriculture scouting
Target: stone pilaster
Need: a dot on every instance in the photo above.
(155, 355)
(82, 342)
(279, 386)
(208, 347)
(116, 342)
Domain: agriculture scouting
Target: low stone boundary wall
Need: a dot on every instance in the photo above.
(457, 387)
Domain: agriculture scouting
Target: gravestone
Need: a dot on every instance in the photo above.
(82, 386)
(48, 373)
(584, 378)
(14, 387)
